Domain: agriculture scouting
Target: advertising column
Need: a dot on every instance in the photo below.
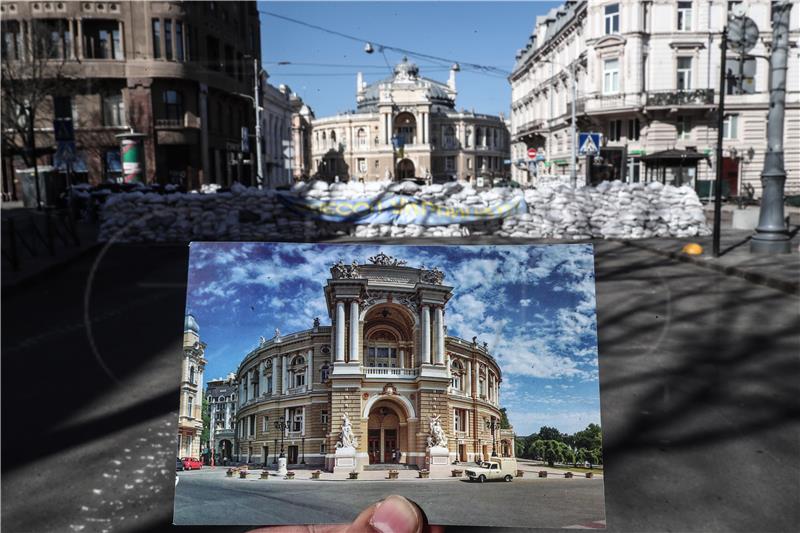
(132, 152)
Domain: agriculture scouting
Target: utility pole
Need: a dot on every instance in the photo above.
(257, 104)
(772, 236)
(723, 47)
(573, 174)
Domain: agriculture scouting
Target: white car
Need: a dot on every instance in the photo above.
(504, 469)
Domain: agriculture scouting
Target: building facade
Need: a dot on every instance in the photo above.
(647, 80)
(285, 132)
(222, 403)
(190, 417)
(439, 142)
(387, 362)
(176, 72)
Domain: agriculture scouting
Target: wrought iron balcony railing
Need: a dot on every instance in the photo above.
(696, 97)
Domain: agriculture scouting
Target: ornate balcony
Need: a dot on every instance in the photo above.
(390, 373)
(695, 98)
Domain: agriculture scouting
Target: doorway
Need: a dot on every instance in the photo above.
(405, 169)
(291, 454)
(462, 453)
(730, 174)
(374, 445)
(390, 446)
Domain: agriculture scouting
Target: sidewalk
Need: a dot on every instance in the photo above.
(780, 272)
(36, 243)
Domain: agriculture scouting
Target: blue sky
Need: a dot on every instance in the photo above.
(484, 33)
(533, 305)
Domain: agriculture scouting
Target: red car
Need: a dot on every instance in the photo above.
(190, 463)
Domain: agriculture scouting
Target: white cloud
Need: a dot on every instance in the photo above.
(525, 302)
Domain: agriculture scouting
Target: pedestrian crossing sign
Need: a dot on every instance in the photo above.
(589, 143)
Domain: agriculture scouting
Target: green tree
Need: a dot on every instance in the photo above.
(548, 433)
(504, 423)
(590, 438)
(580, 456)
(568, 455)
(538, 448)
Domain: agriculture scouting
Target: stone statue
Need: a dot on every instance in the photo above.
(262, 341)
(342, 271)
(434, 276)
(474, 340)
(277, 333)
(316, 321)
(486, 346)
(346, 437)
(386, 260)
(437, 436)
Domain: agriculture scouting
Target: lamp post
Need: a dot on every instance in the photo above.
(275, 453)
(303, 450)
(493, 425)
(282, 425)
(257, 107)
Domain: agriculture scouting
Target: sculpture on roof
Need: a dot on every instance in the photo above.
(433, 275)
(342, 271)
(386, 260)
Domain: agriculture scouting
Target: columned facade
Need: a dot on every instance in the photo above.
(386, 363)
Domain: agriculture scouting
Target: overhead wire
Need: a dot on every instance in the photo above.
(475, 67)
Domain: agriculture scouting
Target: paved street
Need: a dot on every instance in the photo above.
(204, 497)
(698, 375)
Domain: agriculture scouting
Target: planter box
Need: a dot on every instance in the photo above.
(243, 474)
(353, 475)
(289, 475)
(315, 475)
(567, 475)
(393, 474)
(457, 473)
(229, 473)
(589, 475)
(520, 473)
(542, 473)
(264, 475)
(424, 474)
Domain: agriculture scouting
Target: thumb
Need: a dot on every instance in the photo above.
(395, 514)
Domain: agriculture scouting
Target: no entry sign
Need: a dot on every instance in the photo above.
(531, 153)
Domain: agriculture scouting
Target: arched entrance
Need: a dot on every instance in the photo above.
(386, 433)
(405, 128)
(225, 450)
(405, 169)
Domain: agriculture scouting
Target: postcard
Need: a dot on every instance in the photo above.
(318, 379)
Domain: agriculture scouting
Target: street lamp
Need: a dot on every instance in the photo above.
(493, 425)
(255, 98)
(303, 450)
(282, 425)
(275, 453)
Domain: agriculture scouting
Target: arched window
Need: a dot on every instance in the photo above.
(333, 140)
(382, 350)
(361, 137)
(221, 399)
(324, 372)
(324, 143)
(297, 372)
(457, 371)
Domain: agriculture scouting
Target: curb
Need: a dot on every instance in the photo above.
(788, 287)
(12, 287)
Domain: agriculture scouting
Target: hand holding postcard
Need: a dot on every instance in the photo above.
(461, 377)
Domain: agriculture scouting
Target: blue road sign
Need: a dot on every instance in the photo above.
(588, 143)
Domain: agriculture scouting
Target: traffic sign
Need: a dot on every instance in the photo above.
(540, 154)
(531, 153)
(589, 143)
(65, 152)
(742, 34)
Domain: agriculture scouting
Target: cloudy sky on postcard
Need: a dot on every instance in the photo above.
(533, 305)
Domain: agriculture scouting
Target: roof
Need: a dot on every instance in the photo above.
(190, 324)
(406, 75)
(673, 158)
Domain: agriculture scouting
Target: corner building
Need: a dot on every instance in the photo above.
(387, 362)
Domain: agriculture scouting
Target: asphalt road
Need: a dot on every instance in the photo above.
(211, 498)
(698, 378)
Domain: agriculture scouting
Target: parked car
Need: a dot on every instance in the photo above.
(179, 465)
(500, 468)
(190, 463)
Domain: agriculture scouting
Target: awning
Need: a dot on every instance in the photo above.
(674, 158)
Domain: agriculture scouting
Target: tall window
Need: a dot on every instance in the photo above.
(168, 39)
(362, 165)
(730, 127)
(611, 76)
(156, 38)
(191, 375)
(173, 105)
(251, 425)
(684, 16)
(179, 40)
(102, 39)
(614, 130)
(459, 420)
(12, 40)
(450, 163)
(684, 128)
(633, 129)
(449, 137)
(324, 372)
(361, 137)
(264, 424)
(298, 372)
(189, 406)
(612, 18)
(684, 81)
(113, 110)
(382, 350)
(323, 418)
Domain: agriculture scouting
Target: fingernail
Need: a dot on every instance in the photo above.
(395, 514)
